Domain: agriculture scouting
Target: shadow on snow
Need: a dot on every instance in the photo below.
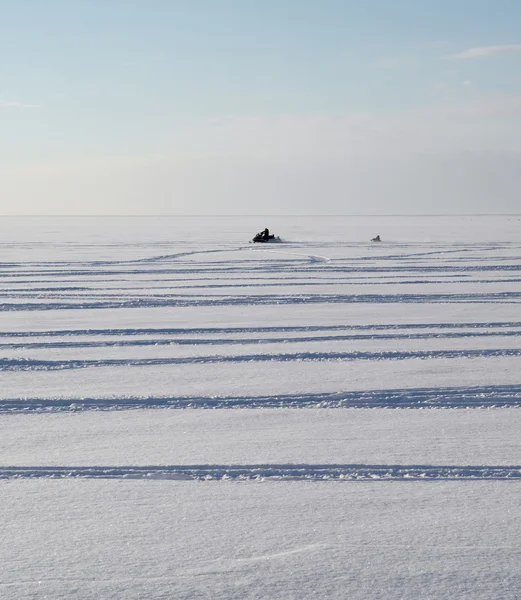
(298, 472)
(409, 398)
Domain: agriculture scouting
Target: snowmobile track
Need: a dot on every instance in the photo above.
(288, 472)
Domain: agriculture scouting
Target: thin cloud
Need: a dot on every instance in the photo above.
(451, 85)
(394, 62)
(484, 52)
(16, 104)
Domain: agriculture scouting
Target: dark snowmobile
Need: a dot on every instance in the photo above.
(265, 236)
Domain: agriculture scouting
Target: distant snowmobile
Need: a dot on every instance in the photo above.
(265, 236)
(376, 239)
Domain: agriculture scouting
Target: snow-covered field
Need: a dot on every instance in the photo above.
(184, 414)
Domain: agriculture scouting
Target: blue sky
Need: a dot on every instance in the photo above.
(252, 106)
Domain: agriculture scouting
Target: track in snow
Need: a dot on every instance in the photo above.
(194, 277)
(500, 396)
(298, 276)
(306, 472)
(27, 364)
(179, 301)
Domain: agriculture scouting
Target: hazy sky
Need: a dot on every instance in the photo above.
(260, 106)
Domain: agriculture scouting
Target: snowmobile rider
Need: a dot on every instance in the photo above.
(266, 234)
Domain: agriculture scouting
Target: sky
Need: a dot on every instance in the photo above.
(260, 107)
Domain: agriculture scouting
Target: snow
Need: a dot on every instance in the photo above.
(187, 415)
(239, 437)
(170, 539)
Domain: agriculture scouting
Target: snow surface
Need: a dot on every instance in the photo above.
(184, 414)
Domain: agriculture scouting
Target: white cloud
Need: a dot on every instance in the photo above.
(484, 51)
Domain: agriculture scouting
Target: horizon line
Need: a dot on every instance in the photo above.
(264, 215)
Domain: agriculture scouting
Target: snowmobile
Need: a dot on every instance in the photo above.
(264, 238)
(376, 239)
